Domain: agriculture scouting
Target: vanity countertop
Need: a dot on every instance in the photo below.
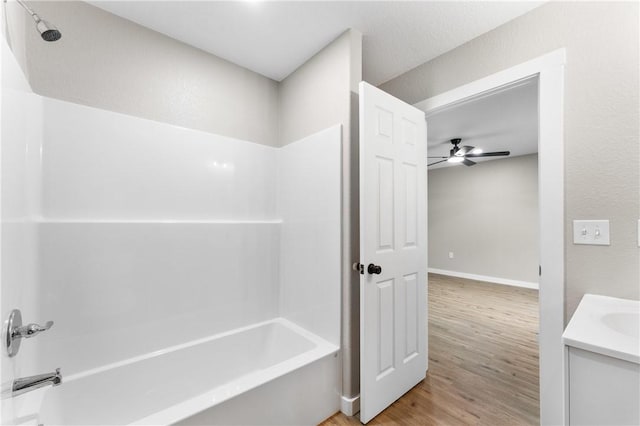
(606, 325)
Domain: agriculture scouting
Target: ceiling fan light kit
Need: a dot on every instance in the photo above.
(459, 154)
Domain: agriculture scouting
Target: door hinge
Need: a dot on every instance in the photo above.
(539, 270)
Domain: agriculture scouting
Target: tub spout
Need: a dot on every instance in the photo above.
(27, 384)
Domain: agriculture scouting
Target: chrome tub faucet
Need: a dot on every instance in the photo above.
(27, 384)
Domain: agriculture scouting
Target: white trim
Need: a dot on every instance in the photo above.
(485, 278)
(350, 406)
(566, 384)
(494, 81)
(549, 69)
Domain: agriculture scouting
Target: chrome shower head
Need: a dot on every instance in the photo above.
(47, 30)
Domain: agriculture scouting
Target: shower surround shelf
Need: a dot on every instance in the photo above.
(160, 221)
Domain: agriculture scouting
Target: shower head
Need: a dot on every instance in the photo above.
(47, 30)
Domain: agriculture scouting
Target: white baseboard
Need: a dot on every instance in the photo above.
(350, 406)
(495, 280)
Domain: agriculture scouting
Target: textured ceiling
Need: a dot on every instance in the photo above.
(274, 38)
(504, 121)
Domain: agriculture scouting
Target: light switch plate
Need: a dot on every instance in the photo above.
(591, 232)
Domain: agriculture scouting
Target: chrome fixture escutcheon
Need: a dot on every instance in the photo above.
(15, 331)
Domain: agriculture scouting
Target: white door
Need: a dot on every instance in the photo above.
(393, 237)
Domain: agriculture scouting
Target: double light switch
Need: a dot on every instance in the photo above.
(591, 232)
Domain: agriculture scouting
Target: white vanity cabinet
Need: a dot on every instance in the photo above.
(602, 346)
(602, 390)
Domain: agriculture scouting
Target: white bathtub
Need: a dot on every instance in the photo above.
(270, 363)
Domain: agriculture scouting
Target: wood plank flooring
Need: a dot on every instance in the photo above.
(483, 359)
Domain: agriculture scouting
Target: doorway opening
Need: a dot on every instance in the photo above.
(483, 255)
(549, 71)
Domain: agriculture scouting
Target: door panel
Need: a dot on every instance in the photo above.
(393, 346)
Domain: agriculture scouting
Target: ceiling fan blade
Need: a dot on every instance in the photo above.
(437, 157)
(490, 154)
(437, 162)
(469, 162)
(464, 150)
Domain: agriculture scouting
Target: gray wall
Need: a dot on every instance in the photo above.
(601, 123)
(316, 95)
(487, 215)
(321, 93)
(111, 63)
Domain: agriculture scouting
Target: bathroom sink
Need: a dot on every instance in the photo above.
(606, 325)
(627, 323)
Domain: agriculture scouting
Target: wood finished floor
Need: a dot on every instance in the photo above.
(483, 359)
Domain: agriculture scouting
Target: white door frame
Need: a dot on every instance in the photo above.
(549, 69)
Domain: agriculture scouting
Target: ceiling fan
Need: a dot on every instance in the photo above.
(461, 154)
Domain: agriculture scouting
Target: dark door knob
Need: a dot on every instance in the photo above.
(374, 269)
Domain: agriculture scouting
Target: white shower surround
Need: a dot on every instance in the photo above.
(100, 165)
(150, 236)
(148, 227)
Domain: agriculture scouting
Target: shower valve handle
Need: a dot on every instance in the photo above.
(14, 331)
(28, 331)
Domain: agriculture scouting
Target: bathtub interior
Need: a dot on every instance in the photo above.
(144, 235)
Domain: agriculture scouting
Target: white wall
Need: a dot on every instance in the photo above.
(487, 215)
(601, 120)
(108, 62)
(309, 186)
